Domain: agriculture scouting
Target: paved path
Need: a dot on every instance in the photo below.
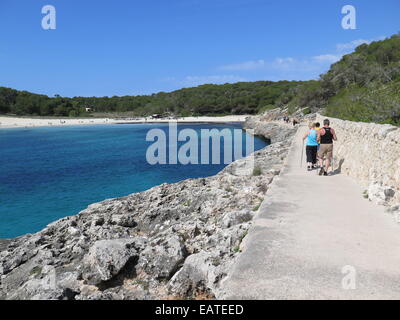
(308, 228)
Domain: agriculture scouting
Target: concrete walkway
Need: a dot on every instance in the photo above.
(308, 229)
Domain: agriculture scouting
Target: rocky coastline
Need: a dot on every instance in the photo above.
(173, 241)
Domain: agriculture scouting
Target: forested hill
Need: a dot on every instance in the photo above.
(362, 86)
(209, 99)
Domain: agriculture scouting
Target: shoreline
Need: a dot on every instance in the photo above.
(234, 119)
(16, 122)
(173, 231)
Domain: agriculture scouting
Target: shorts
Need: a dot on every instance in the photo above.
(326, 150)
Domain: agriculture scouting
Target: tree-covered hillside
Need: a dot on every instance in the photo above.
(237, 98)
(362, 86)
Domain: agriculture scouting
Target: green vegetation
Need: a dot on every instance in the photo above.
(237, 248)
(216, 261)
(37, 270)
(362, 86)
(208, 99)
(142, 283)
(186, 203)
(257, 171)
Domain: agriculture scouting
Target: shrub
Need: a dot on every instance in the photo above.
(257, 171)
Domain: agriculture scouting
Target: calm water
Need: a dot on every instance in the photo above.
(50, 173)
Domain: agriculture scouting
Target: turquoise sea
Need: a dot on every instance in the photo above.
(52, 172)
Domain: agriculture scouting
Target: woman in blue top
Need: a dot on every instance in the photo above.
(311, 146)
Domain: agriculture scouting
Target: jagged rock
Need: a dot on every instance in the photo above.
(73, 231)
(124, 220)
(69, 281)
(133, 247)
(379, 193)
(106, 258)
(4, 244)
(42, 285)
(163, 259)
(195, 277)
(275, 132)
(236, 217)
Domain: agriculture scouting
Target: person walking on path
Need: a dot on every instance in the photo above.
(326, 136)
(311, 146)
(317, 128)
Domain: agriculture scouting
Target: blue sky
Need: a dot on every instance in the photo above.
(129, 47)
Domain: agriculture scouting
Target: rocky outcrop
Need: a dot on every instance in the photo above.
(172, 241)
(4, 243)
(277, 114)
(370, 153)
(274, 131)
(106, 258)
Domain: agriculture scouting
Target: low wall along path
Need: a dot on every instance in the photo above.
(370, 153)
(317, 237)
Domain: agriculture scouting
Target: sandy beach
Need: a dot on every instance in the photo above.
(16, 122)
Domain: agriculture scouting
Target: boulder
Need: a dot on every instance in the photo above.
(236, 217)
(162, 260)
(42, 285)
(106, 258)
(193, 277)
(201, 275)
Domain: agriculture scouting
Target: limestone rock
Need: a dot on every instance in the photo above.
(163, 259)
(174, 239)
(379, 193)
(195, 277)
(106, 258)
(236, 217)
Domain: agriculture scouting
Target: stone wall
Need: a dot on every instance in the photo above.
(370, 153)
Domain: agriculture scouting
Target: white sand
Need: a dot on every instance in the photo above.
(15, 122)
